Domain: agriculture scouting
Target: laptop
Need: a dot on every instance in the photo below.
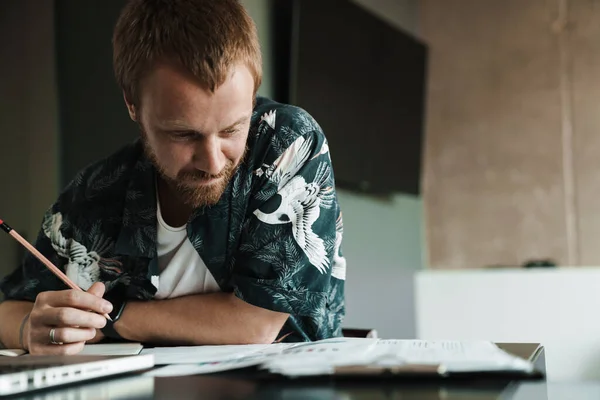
(29, 373)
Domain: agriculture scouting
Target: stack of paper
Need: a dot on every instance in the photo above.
(321, 357)
(434, 356)
(194, 360)
(451, 356)
(211, 354)
(333, 355)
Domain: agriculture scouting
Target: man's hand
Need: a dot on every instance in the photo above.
(74, 315)
(98, 338)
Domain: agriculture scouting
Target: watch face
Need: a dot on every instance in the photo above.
(118, 299)
(115, 313)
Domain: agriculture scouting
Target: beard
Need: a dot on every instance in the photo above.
(188, 184)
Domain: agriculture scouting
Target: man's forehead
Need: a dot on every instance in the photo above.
(171, 82)
(174, 97)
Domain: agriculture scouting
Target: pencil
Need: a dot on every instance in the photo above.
(42, 258)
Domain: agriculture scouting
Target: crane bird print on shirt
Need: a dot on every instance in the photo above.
(83, 266)
(301, 201)
(339, 263)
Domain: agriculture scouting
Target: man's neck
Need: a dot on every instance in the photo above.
(174, 211)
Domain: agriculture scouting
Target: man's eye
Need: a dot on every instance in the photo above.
(230, 131)
(182, 135)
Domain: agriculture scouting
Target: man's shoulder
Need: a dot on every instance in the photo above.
(276, 126)
(283, 118)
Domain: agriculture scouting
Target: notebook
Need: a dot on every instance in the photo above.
(100, 349)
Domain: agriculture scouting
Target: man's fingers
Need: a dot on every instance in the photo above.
(70, 317)
(72, 335)
(73, 316)
(73, 339)
(75, 299)
(97, 289)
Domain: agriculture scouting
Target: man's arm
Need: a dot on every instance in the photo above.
(215, 318)
(12, 314)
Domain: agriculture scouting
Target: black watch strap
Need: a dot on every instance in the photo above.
(118, 306)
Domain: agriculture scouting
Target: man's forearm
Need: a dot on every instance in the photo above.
(11, 316)
(216, 318)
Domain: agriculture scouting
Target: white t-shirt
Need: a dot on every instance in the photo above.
(182, 270)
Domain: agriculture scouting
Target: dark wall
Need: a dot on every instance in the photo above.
(93, 118)
(364, 82)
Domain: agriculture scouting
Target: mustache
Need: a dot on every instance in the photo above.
(202, 175)
(199, 175)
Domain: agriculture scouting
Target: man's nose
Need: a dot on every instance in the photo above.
(208, 156)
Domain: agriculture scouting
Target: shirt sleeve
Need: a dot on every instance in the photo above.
(290, 259)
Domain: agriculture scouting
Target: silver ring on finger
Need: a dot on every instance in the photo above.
(52, 339)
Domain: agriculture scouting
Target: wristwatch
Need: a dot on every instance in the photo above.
(119, 304)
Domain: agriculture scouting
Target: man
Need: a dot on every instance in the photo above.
(219, 226)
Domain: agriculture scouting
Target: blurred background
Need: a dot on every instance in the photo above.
(472, 146)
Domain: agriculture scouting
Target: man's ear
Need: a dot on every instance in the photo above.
(130, 108)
